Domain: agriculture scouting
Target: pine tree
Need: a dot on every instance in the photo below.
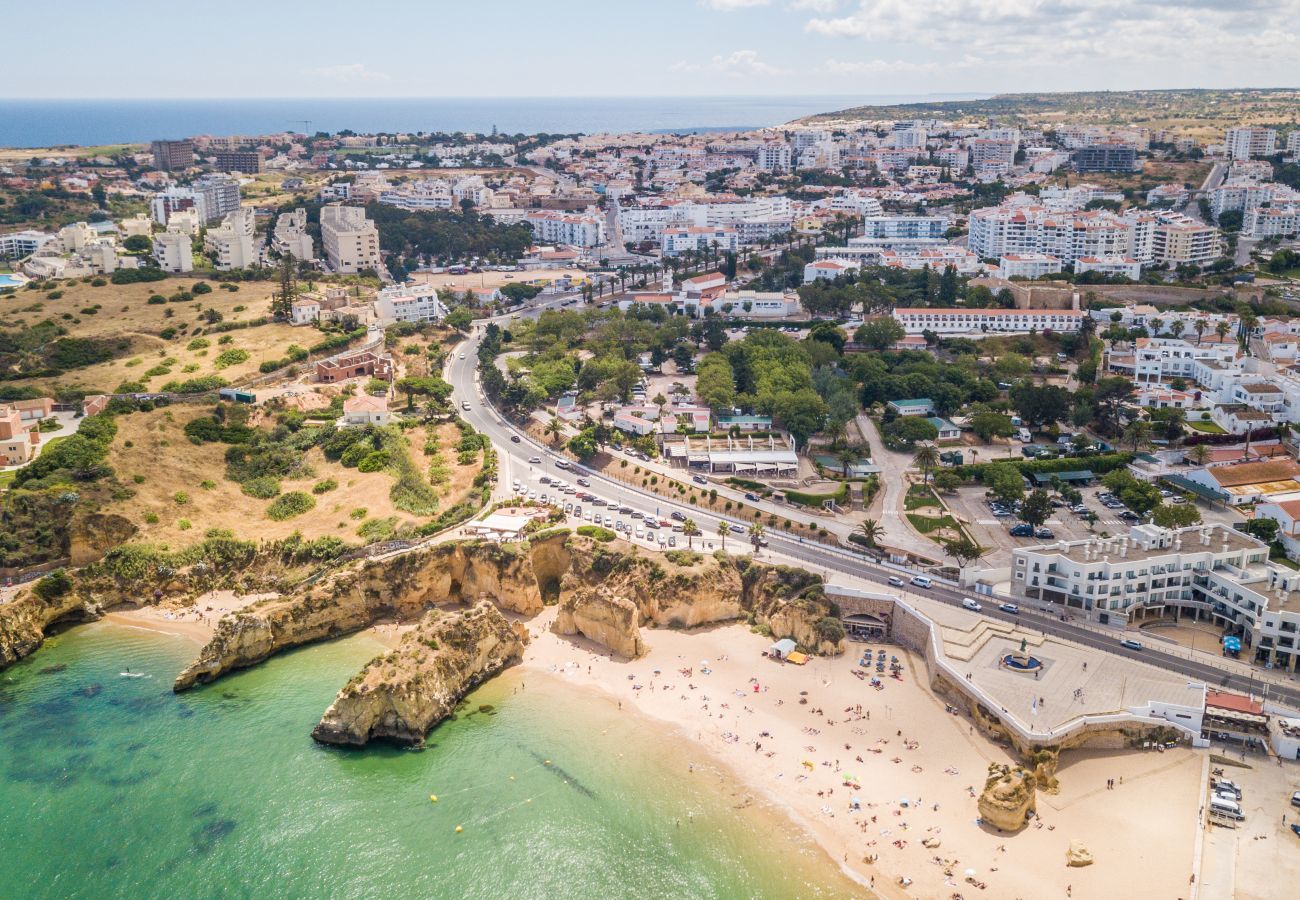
(282, 299)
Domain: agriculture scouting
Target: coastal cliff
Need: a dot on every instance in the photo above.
(400, 696)
(24, 619)
(598, 615)
(606, 593)
(402, 586)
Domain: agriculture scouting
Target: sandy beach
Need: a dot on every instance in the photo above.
(813, 739)
(917, 770)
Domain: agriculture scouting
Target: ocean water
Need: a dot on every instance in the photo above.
(47, 123)
(114, 787)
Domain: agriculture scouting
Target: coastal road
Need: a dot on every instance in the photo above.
(516, 462)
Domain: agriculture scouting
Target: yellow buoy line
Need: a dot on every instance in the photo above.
(434, 797)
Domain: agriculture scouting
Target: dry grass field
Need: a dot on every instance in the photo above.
(153, 446)
(122, 314)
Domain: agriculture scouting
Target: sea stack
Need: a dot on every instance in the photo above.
(401, 695)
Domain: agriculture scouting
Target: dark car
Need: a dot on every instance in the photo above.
(680, 517)
(1022, 530)
(584, 482)
(1044, 534)
(752, 498)
(699, 479)
(514, 438)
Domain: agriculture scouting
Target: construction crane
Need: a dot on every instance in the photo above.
(305, 123)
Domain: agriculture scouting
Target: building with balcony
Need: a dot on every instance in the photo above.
(350, 240)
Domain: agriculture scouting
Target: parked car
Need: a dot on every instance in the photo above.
(1022, 530)
(972, 604)
(1044, 534)
(1223, 784)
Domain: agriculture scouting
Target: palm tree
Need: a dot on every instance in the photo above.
(872, 531)
(1157, 325)
(847, 457)
(1199, 454)
(554, 429)
(756, 532)
(1199, 327)
(1222, 330)
(690, 529)
(723, 530)
(1139, 432)
(927, 457)
(1176, 327)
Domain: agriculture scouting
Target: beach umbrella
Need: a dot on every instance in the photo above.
(970, 873)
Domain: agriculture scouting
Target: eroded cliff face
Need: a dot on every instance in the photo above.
(1009, 796)
(403, 586)
(91, 536)
(24, 619)
(604, 617)
(401, 695)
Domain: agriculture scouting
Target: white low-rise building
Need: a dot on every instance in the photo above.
(679, 239)
(350, 240)
(411, 302)
(1122, 266)
(566, 228)
(1028, 265)
(173, 250)
(291, 237)
(974, 322)
(231, 243)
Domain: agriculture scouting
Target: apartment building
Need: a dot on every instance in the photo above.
(773, 156)
(1282, 220)
(172, 156)
(1015, 229)
(986, 151)
(212, 198)
(349, 239)
(1105, 157)
(681, 238)
(566, 228)
(1293, 143)
(19, 437)
(974, 322)
(901, 232)
(231, 244)
(1180, 240)
(246, 161)
(423, 195)
(1159, 359)
(1246, 143)
(937, 258)
(411, 302)
(1208, 572)
(17, 244)
(1028, 265)
(290, 236)
(173, 251)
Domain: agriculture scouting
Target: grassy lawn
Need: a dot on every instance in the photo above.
(919, 497)
(1206, 427)
(927, 524)
(7, 478)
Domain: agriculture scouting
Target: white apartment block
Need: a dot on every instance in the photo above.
(1028, 265)
(1293, 143)
(1123, 266)
(212, 197)
(679, 239)
(974, 322)
(937, 258)
(231, 243)
(1245, 196)
(173, 250)
(1155, 360)
(291, 237)
(1210, 572)
(1180, 240)
(1245, 143)
(1012, 229)
(990, 151)
(17, 244)
(350, 240)
(411, 302)
(773, 156)
(1272, 221)
(895, 232)
(566, 228)
(420, 196)
(857, 203)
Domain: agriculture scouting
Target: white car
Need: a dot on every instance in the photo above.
(971, 604)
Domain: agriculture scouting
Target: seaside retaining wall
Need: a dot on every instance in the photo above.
(912, 629)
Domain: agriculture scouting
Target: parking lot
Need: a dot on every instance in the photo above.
(991, 527)
(1261, 852)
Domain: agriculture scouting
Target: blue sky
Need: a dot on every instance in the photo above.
(424, 48)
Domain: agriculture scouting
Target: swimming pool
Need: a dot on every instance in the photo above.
(11, 281)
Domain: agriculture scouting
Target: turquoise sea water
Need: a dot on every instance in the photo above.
(114, 787)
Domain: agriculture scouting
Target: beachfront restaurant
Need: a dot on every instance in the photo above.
(864, 627)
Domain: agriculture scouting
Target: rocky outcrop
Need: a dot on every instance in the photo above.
(1008, 797)
(24, 619)
(400, 696)
(403, 586)
(603, 617)
(1078, 855)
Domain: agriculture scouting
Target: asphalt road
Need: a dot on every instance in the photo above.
(514, 463)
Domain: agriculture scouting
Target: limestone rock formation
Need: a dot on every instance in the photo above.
(91, 536)
(24, 619)
(401, 695)
(402, 586)
(601, 616)
(1008, 797)
(1078, 855)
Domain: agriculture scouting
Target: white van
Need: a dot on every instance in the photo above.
(923, 581)
(1223, 807)
(1024, 436)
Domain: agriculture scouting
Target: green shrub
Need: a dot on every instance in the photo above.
(294, 503)
(53, 586)
(181, 498)
(374, 530)
(596, 532)
(230, 357)
(201, 287)
(324, 486)
(374, 461)
(198, 344)
(263, 487)
(151, 518)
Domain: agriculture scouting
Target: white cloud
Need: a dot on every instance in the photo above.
(817, 6)
(347, 73)
(736, 64)
(733, 5)
(1157, 37)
